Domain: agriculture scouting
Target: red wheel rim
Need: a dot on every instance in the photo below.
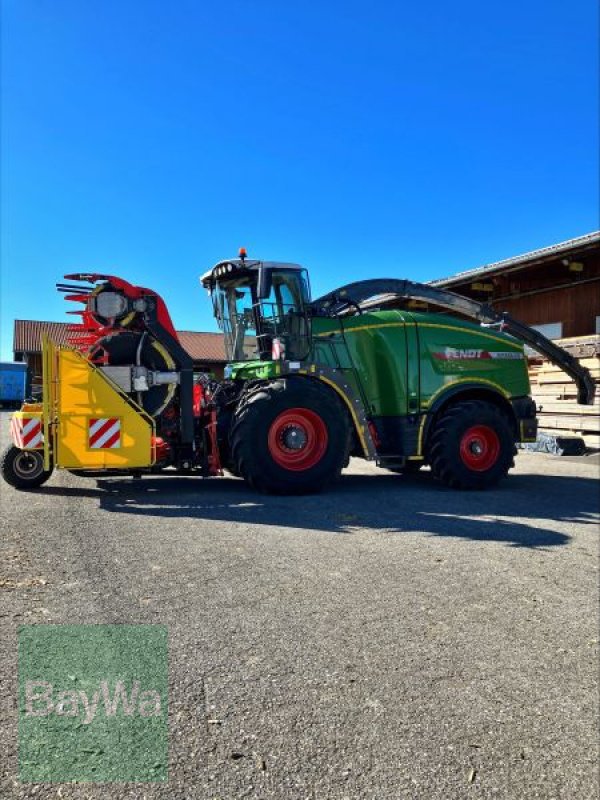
(297, 439)
(479, 448)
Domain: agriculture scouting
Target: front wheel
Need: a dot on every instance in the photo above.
(471, 446)
(290, 436)
(24, 469)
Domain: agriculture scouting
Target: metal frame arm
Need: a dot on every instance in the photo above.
(382, 291)
(586, 388)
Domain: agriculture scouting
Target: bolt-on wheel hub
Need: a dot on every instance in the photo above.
(297, 439)
(479, 448)
(28, 465)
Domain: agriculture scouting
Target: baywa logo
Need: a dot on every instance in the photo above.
(93, 703)
(40, 701)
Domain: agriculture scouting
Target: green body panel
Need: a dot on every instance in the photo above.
(453, 351)
(254, 370)
(401, 362)
(401, 357)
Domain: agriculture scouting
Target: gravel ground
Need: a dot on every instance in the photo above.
(388, 639)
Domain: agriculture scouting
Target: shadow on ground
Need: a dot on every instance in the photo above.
(520, 512)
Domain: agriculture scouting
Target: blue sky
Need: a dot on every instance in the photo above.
(151, 139)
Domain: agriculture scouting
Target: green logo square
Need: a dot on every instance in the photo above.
(93, 703)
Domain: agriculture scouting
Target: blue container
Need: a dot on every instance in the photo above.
(13, 382)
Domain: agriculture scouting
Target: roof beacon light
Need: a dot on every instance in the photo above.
(243, 253)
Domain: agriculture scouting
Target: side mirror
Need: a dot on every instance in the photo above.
(263, 287)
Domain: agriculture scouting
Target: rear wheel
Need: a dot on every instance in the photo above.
(471, 446)
(290, 437)
(24, 469)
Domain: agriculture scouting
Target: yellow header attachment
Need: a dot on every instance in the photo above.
(94, 424)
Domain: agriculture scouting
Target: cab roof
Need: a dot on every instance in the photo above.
(233, 265)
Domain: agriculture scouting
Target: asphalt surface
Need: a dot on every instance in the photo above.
(387, 639)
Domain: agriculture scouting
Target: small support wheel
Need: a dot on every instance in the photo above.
(24, 469)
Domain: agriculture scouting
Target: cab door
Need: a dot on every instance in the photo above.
(377, 346)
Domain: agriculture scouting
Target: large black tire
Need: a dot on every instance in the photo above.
(290, 436)
(471, 446)
(23, 469)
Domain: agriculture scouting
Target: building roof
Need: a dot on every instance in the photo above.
(204, 347)
(28, 334)
(527, 259)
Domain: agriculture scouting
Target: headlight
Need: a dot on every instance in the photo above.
(111, 305)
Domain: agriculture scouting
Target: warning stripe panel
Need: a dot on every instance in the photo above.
(26, 432)
(104, 433)
(15, 432)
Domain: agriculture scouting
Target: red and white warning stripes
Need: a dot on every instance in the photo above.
(26, 432)
(104, 434)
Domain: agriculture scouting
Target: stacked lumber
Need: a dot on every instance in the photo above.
(560, 413)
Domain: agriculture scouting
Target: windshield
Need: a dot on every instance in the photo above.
(233, 304)
(280, 316)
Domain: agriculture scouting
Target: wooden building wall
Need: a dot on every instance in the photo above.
(576, 307)
(565, 290)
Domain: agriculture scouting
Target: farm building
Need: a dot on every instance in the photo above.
(556, 290)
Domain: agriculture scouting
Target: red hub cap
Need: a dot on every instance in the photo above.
(479, 448)
(297, 439)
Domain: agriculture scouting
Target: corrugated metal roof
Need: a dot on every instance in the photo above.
(202, 346)
(533, 256)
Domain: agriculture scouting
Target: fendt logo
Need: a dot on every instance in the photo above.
(41, 701)
(453, 354)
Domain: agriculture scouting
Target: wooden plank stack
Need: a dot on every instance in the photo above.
(556, 394)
